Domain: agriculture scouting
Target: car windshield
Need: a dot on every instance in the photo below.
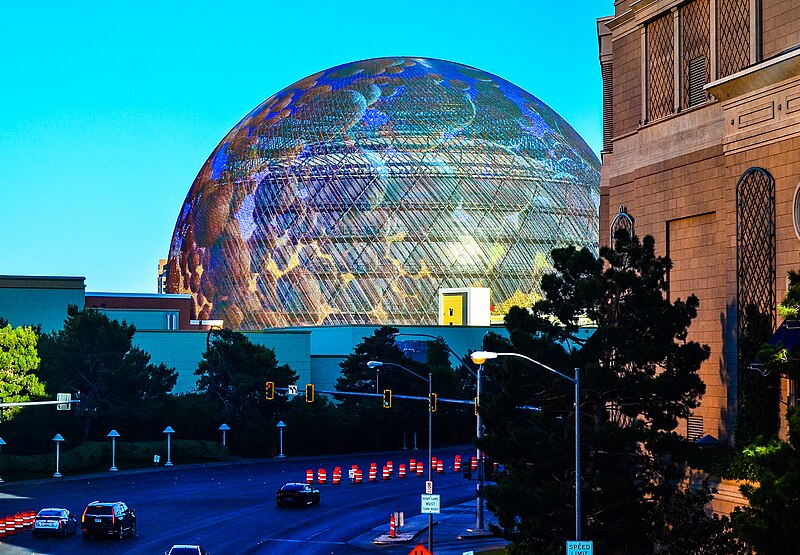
(184, 551)
(49, 512)
(293, 487)
(100, 510)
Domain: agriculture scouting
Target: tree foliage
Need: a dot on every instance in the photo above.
(233, 373)
(19, 361)
(94, 358)
(638, 376)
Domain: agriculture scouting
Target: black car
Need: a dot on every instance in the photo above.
(108, 520)
(58, 522)
(297, 494)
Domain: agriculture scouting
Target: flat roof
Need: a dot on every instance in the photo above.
(42, 282)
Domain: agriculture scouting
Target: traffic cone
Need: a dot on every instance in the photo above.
(322, 476)
(309, 476)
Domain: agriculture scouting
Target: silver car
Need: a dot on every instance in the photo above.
(56, 522)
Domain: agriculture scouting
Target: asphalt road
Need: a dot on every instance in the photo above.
(230, 508)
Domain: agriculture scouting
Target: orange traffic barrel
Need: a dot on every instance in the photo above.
(358, 476)
(440, 466)
(2, 528)
(337, 475)
(19, 521)
(401, 471)
(373, 472)
(9, 523)
(27, 519)
(309, 476)
(412, 466)
(390, 466)
(473, 464)
(457, 464)
(322, 476)
(420, 468)
(385, 473)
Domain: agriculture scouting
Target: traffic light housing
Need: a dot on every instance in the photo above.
(432, 402)
(269, 391)
(387, 398)
(309, 393)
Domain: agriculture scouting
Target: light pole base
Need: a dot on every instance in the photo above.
(281, 456)
(57, 475)
(112, 469)
(167, 463)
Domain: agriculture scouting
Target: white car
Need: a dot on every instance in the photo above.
(187, 550)
(58, 522)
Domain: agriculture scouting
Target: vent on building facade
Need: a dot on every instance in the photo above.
(697, 78)
(622, 220)
(606, 70)
(694, 428)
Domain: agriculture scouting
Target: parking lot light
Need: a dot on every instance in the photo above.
(58, 440)
(280, 425)
(169, 431)
(224, 428)
(113, 434)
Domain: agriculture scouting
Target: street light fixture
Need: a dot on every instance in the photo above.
(113, 434)
(169, 431)
(59, 440)
(224, 428)
(479, 357)
(280, 425)
(378, 364)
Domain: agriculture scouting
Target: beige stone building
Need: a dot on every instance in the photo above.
(701, 149)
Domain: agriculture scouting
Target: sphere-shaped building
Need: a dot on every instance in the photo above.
(355, 194)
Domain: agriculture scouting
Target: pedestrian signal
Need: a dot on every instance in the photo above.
(270, 391)
(387, 398)
(309, 393)
(432, 402)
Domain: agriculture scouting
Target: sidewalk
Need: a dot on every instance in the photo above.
(452, 532)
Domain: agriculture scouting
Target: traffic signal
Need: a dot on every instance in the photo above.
(387, 398)
(432, 402)
(270, 391)
(476, 406)
(309, 393)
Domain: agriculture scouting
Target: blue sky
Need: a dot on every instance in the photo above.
(108, 110)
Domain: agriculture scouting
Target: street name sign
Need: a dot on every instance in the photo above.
(579, 548)
(430, 504)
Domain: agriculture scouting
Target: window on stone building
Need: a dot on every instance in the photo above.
(796, 211)
(695, 41)
(733, 36)
(660, 40)
(694, 428)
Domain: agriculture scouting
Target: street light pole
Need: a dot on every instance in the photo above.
(479, 357)
(378, 364)
(479, 530)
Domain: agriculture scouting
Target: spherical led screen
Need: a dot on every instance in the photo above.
(354, 195)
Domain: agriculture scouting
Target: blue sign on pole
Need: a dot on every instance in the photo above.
(579, 548)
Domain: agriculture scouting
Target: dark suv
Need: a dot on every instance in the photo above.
(114, 520)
